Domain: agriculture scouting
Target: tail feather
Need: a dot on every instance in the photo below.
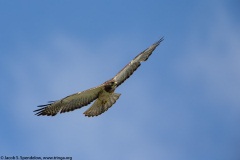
(102, 104)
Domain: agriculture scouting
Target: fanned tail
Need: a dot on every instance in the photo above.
(102, 104)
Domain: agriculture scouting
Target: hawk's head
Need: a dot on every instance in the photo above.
(110, 86)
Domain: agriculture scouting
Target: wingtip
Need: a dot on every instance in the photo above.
(160, 40)
(42, 110)
(39, 112)
(42, 113)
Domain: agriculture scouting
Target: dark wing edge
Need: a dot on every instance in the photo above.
(129, 69)
(44, 110)
(69, 103)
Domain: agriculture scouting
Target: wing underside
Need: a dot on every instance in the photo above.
(69, 103)
(128, 70)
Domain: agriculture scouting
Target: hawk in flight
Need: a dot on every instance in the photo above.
(103, 94)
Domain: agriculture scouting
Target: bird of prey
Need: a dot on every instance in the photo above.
(103, 94)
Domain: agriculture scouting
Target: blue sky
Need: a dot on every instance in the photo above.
(183, 103)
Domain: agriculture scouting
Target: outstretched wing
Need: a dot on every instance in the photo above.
(70, 103)
(128, 70)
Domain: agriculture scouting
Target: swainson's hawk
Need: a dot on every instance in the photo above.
(103, 95)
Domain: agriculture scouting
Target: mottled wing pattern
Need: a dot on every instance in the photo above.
(102, 104)
(128, 70)
(70, 103)
(105, 98)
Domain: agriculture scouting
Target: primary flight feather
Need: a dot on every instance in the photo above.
(103, 95)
